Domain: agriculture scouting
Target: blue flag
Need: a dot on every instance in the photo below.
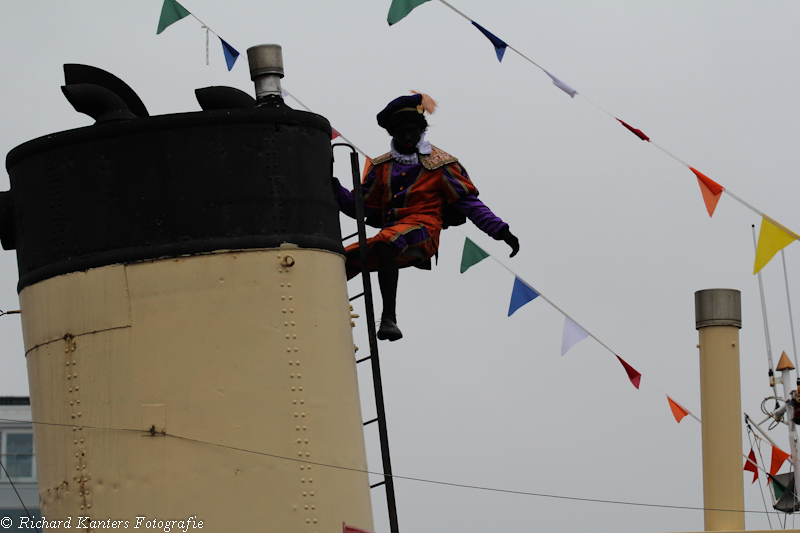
(520, 295)
(499, 44)
(230, 53)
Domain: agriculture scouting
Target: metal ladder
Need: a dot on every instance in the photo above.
(388, 480)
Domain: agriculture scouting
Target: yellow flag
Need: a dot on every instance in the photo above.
(771, 240)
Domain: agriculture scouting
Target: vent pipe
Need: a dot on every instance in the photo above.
(266, 70)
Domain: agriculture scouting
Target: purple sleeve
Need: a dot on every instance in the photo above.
(346, 199)
(480, 215)
(347, 202)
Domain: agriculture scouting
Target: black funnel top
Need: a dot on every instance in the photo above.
(148, 187)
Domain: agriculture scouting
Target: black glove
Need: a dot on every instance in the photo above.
(506, 236)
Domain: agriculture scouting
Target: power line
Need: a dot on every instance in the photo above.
(407, 478)
(18, 496)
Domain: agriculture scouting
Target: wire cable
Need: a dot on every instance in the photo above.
(18, 496)
(407, 478)
(760, 488)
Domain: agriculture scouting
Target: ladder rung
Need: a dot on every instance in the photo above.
(377, 484)
(363, 359)
(368, 422)
(359, 295)
(349, 236)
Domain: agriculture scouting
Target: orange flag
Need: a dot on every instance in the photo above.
(778, 457)
(678, 411)
(711, 190)
(750, 465)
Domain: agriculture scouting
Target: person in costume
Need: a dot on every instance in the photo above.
(412, 193)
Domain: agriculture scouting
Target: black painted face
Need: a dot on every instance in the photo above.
(406, 136)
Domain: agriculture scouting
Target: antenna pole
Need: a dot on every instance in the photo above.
(786, 380)
(791, 320)
(766, 325)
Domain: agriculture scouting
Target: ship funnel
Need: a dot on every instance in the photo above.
(266, 69)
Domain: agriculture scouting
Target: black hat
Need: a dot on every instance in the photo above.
(417, 103)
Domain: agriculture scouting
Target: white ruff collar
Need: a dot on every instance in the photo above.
(423, 147)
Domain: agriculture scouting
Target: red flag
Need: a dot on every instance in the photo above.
(334, 133)
(711, 190)
(678, 411)
(352, 529)
(635, 131)
(778, 457)
(750, 465)
(633, 375)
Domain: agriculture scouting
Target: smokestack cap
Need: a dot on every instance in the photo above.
(718, 307)
(265, 59)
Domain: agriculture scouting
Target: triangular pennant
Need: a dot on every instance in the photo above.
(472, 255)
(678, 411)
(171, 12)
(771, 240)
(563, 86)
(520, 295)
(334, 133)
(633, 374)
(710, 189)
(353, 529)
(230, 53)
(635, 131)
(572, 335)
(751, 465)
(499, 44)
(400, 8)
(778, 457)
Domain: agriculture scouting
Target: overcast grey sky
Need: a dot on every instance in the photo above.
(612, 230)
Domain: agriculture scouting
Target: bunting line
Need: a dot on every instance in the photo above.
(338, 133)
(710, 198)
(633, 375)
(172, 12)
(481, 254)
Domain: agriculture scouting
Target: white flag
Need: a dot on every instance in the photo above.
(572, 335)
(563, 86)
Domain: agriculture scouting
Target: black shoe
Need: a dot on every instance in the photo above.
(389, 330)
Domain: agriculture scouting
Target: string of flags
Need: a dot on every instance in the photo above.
(777, 459)
(172, 12)
(773, 236)
(523, 293)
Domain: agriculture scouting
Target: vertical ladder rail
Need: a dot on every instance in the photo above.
(388, 480)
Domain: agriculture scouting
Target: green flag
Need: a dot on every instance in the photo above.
(401, 8)
(171, 12)
(473, 254)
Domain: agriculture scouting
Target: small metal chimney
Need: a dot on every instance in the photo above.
(266, 69)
